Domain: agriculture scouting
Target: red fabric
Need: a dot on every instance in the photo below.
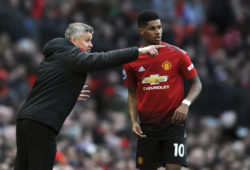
(109, 91)
(3, 74)
(82, 50)
(181, 32)
(211, 39)
(37, 11)
(95, 84)
(125, 143)
(179, 8)
(132, 16)
(159, 83)
(100, 130)
(3, 91)
(60, 157)
(3, 87)
(31, 80)
(232, 39)
(105, 167)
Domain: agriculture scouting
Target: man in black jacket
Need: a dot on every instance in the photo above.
(61, 76)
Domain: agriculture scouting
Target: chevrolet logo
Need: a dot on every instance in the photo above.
(154, 79)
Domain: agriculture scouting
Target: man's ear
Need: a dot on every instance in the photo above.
(141, 31)
(74, 40)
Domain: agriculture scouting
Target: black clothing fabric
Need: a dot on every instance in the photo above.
(162, 131)
(9, 16)
(164, 144)
(36, 144)
(61, 76)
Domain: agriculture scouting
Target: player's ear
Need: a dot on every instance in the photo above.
(141, 31)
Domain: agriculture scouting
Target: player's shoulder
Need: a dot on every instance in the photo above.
(139, 61)
(174, 48)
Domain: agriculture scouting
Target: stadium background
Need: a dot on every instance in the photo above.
(97, 135)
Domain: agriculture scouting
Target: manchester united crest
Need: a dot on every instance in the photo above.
(140, 160)
(166, 65)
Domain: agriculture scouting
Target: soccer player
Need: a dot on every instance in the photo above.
(156, 101)
(59, 82)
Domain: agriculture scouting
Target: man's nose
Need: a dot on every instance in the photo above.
(157, 31)
(90, 45)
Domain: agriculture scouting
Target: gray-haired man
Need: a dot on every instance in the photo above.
(61, 76)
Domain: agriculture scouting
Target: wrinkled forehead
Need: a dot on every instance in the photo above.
(86, 35)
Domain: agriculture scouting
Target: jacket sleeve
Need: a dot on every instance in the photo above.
(86, 62)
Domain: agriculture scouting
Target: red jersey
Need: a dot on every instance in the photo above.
(159, 83)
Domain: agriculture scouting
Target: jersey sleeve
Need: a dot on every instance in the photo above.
(129, 79)
(187, 68)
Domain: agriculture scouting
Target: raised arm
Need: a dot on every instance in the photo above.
(84, 62)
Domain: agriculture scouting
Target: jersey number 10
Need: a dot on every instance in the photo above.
(178, 150)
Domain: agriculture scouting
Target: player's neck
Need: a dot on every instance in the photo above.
(145, 44)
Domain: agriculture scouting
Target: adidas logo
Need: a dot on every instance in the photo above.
(141, 69)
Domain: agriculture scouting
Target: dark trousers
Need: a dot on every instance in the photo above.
(36, 146)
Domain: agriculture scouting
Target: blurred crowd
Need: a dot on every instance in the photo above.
(97, 135)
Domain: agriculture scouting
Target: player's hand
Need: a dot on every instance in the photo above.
(152, 50)
(136, 128)
(180, 114)
(84, 95)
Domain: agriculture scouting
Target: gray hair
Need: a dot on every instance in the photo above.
(76, 29)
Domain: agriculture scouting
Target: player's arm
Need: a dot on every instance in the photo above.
(132, 105)
(180, 113)
(195, 89)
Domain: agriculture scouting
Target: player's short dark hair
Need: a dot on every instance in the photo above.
(145, 16)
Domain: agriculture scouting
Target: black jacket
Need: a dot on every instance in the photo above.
(61, 76)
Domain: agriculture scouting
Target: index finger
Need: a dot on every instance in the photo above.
(159, 46)
(85, 86)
